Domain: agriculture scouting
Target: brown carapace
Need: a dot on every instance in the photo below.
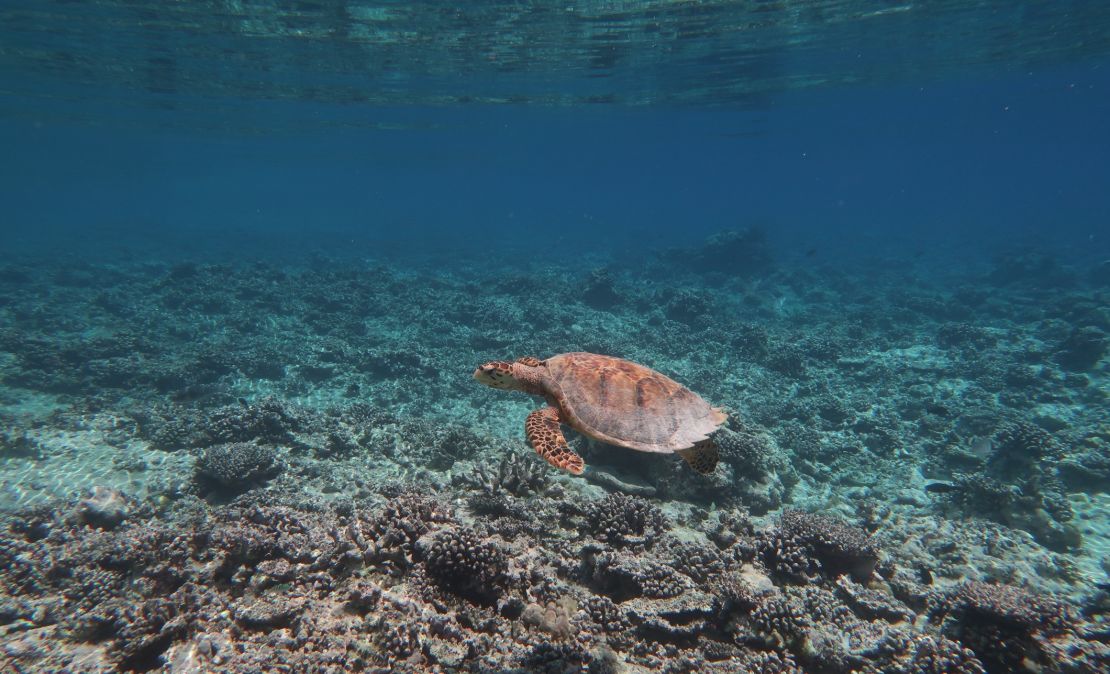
(611, 400)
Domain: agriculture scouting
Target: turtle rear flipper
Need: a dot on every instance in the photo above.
(545, 436)
(702, 457)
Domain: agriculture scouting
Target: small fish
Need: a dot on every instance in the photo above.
(982, 448)
(941, 487)
(811, 252)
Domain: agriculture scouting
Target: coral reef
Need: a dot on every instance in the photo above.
(622, 520)
(744, 253)
(104, 508)
(235, 466)
(266, 467)
(267, 421)
(1083, 348)
(1010, 629)
(515, 475)
(461, 560)
(404, 585)
(599, 290)
(1019, 485)
(623, 576)
(806, 544)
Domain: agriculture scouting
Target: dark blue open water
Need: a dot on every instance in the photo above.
(251, 252)
(847, 125)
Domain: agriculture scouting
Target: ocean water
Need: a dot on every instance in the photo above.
(251, 254)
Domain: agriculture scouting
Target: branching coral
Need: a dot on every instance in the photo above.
(623, 577)
(767, 662)
(806, 544)
(516, 474)
(388, 536)
(1004, 625)
(267, 420)
(872, 604)
(464, 562)
(927, 654)
(1024, 442)
(1020, 486)
(620, 520)
(235, 466)
(421, 592)
(840, 548)
(699, 562)
(557, 659)
(607, 614)
(744, 448)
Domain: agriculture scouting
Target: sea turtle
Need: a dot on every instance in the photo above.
(612, 400)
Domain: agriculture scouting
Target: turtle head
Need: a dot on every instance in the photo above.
(498, 374)
(518, 376)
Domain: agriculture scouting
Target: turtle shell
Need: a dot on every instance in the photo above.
(622, 403)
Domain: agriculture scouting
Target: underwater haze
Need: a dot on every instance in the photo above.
(252, 253)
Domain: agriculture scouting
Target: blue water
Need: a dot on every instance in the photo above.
(954, 162)
(251, 253)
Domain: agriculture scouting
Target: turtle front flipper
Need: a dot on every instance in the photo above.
(702, 457)
(545, 436)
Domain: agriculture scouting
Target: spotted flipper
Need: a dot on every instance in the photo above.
(702, 457)
(545, 436)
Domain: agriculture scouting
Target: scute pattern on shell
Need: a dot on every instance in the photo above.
(630, 405)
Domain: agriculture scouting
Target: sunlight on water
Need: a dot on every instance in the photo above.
(512, 52)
